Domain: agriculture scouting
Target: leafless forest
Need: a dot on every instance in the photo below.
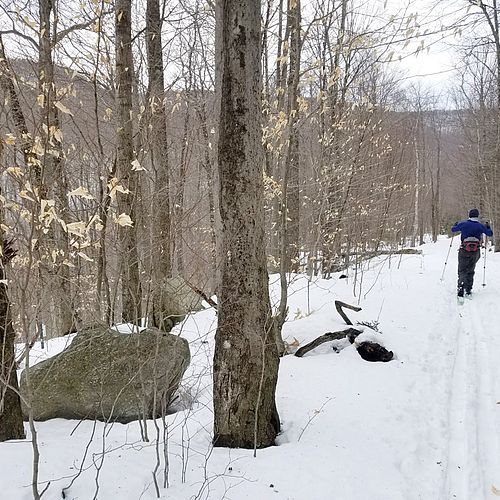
(109, 146)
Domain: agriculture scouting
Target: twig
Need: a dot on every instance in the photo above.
(315, 414)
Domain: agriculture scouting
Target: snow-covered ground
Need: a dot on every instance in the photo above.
(423, 426)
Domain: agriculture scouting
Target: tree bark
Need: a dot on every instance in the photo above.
(53, 182)
(129, 266)
(491, 17)
(8, 86)
(291, 167)
(290, 204)
(158, 142)
(11, 418)
(246, 359)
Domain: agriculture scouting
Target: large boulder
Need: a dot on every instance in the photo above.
(172, 300)
(107, 375)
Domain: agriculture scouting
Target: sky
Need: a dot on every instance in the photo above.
(435, 67)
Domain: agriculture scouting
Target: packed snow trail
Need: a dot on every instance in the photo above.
(474, 429)
(464, 432)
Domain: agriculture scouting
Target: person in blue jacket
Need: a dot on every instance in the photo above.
(469, 252)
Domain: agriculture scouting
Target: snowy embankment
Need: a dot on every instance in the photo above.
(423, 426)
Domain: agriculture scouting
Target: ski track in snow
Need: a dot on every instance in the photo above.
(472, 455)
(482, 340)
(456, 418)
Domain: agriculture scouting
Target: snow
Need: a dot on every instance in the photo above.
(423, 426)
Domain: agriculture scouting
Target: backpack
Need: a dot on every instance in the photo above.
(471, 244)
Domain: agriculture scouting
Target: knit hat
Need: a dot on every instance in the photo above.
(473, 213)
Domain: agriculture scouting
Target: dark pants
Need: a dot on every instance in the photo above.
(466, 265)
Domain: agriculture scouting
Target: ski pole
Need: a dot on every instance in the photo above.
(484, 264)
(447, 256)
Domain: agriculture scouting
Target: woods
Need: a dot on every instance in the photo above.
(151, 147)
(116, 151)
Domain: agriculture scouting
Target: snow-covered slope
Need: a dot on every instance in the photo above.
(423, 426)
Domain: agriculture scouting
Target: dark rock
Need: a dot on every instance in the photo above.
(371, 351)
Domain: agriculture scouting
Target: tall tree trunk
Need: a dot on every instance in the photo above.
(208, 168)
(490, 13)
(436, 187)
(7, 83)
(158, 141)
(103, 292)
(246, 359)
(416, 214)
(129, 266)
(178, 211)
(289, 223)
(53, 184)
(335, 100)
(11, 419)
(495, 29)
(291, 167)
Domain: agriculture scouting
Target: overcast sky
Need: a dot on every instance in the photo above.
(434, 67)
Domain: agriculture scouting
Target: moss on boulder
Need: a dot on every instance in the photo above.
(107, 375)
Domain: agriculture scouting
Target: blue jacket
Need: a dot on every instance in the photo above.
(471, 227)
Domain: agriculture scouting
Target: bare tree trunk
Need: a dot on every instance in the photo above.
(416, 211)
(158, 134)
(291, 167)
(436, 187)
(179, 197)
(490, 13)
(208, 168)
(129, 266)
(103, 292)
(57, 274)
(11, 418)
(335, 97)
(246, 359)
(24, 138)
(496, 166)
(289, 221)
(103, 288)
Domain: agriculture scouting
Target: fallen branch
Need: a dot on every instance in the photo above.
(402, 251)
(339, 305)
(350, 333)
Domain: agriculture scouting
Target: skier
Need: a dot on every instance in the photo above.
(471, 231)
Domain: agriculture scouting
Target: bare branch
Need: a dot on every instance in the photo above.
(80, 26)
(20, 35)
(339, 305)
